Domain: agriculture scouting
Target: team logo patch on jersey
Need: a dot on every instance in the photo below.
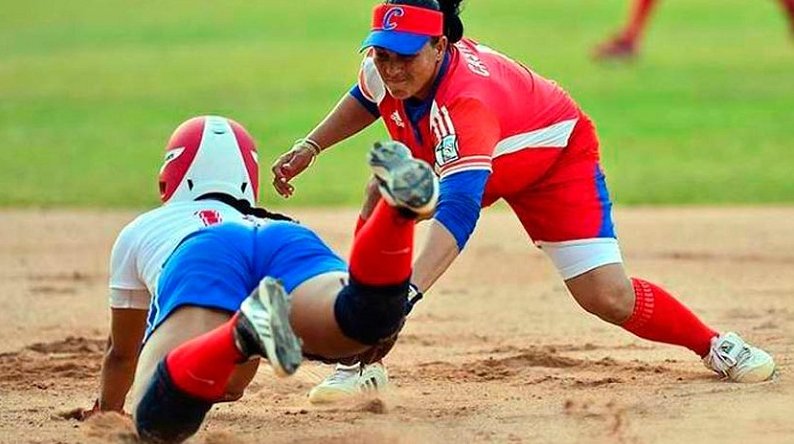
(209, 217)
(447, 150)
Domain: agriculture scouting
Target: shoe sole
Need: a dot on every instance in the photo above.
(329, 395)
(267, 310)
(405, 182)
(761, 373)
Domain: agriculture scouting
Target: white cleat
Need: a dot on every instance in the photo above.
(404, 182)
(739, 361)
(263, 328)
(347, 381)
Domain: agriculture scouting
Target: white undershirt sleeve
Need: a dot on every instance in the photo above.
(130, 299)
(124, 273)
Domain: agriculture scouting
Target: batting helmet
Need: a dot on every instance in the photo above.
(210, 154)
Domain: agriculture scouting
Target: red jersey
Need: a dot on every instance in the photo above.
(485, 106)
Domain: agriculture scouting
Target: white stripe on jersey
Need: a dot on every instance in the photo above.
(553, 136)
(434, 122)
(436, 125)
(447, 120)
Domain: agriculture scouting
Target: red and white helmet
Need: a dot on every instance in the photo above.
(209, 154)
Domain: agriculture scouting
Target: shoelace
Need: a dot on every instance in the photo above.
(722, 362)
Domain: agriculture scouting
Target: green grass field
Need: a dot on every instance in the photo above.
(90, 91)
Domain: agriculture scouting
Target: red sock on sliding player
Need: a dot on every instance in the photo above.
(383, 248)
(202, 366)
(658, 316)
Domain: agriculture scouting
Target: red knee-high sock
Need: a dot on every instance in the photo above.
(202, 366)
(383, 249)
(640, 12)
(658, 316)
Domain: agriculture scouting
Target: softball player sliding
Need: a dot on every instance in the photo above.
(494, 129)
(210, 284)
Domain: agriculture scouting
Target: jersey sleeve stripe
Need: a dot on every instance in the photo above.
(468, 163)
(474, 167)
(471, 159)
(372, 107)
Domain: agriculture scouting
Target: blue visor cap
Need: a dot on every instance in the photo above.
(403, 43)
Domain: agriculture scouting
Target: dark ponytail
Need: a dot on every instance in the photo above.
(244, 207)
(453, 26)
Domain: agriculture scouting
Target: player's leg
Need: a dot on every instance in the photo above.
(336, 314)
(788, 9)
(651, 312)
(626, 43)
(200, 356)
(569, 216)
(372, 305)
(372, 262)
(381, 254)
(204, 328)
(162, 384)
(640, 13)
(371, 198)
(351, 379)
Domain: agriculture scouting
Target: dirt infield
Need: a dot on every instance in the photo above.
(498, 352)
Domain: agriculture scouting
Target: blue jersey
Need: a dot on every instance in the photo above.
(219, 266)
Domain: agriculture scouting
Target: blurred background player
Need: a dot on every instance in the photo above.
(494, 129)
(215, 262)
(625, 44)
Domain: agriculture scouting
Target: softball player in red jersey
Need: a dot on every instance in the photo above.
(494, 129)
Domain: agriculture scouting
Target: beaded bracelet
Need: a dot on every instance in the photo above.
(311, 143)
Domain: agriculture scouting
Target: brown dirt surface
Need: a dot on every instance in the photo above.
(497, 352)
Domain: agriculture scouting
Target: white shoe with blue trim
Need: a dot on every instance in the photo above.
(739, 361)
(347, 381)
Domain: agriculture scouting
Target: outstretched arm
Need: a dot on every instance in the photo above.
(348, 118)
(437, 254)
(127, 327)
(463, 158)
(454, 221)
